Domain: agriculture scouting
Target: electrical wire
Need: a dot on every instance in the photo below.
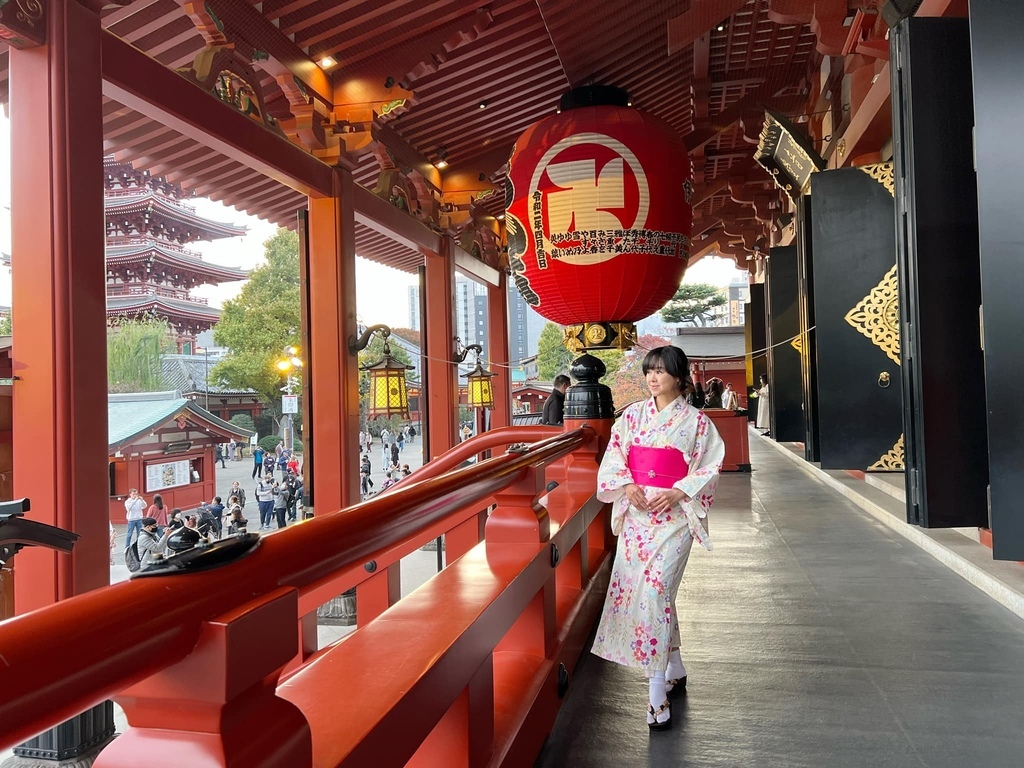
(755, 353)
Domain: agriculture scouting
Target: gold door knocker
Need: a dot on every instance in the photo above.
(883, 379)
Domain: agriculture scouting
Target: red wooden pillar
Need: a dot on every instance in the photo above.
(442, 386)
(332, 321)
(497, 351)
(59, 300)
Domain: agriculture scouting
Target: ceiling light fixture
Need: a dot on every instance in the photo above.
(482, 105)
(720, 27)
(441, 165)
(442, 162)
(327, 62)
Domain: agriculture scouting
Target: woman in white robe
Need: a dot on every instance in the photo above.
(764, 419)
(657, 518)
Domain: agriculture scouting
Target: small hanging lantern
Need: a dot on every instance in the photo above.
(478, 384)
(478, 381)
(388, 394)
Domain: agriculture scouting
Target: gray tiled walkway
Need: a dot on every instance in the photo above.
(813, 636)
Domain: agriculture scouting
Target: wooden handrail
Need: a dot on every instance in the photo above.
(60, 660)
(494, 438)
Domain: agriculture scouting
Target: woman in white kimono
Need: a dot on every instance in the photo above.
(660, 469)
(764, 420)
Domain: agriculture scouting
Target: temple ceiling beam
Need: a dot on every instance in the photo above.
(381, 216)
(242, 22)
(142, 83)
(700, 18)
(758, 98)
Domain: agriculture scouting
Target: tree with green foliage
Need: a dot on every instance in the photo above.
(628, 383)
(135, 350)
(553, 358)
(261, 321)
(693, 303)
(244, 421)
(5, 325)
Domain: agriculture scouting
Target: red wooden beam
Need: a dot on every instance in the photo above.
(381, 216)
(142, 83)
(242, 21)
(871, 122)
(701, 18)
(757, 99)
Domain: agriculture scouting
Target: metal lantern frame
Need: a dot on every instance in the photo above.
(389, 394)
(479, 390)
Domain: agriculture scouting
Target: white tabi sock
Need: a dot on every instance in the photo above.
(657, 690)
(676, 669)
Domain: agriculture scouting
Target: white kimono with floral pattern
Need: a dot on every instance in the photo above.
(638, 626)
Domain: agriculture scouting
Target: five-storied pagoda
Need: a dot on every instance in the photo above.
(149, 269)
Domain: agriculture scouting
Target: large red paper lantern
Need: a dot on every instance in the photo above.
(598, 216)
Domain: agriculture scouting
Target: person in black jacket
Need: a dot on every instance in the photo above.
(554, 406)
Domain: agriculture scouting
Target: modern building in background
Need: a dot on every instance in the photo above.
(519, 316)
(414, 307)
(525, 325)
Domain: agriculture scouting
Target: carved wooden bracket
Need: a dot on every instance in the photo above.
(219, 70)
(23, 23)
(206, 23)
(825, 17)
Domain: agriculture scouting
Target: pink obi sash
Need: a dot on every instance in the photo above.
(658, 467)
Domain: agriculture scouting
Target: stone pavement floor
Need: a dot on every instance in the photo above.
(813, 637)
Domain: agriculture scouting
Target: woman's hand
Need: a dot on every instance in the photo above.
(635, 496)
(663, 500)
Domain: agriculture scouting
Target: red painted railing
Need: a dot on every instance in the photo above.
(195, 660)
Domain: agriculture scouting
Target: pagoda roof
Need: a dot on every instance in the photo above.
(173, 210)
(130, 416)
(127, 254)
(161, 305)
(189, 373)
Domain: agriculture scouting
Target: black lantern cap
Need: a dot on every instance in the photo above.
(594, 96)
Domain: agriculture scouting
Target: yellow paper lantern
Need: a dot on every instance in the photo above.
(388, 394)
(478, 386)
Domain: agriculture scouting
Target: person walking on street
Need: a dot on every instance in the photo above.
(764, 415)
(134, 507)
(257, 462)
(219, 455)
(238, 492)
(282, 498)
(554, 406)
(265, 499)
(158, 512)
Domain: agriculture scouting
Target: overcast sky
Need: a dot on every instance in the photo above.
(382, 292)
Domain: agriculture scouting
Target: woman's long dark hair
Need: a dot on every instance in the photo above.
(675, 363)
(158, 501)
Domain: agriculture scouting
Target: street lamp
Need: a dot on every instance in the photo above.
(291, 361)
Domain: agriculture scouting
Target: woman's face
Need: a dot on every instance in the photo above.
(661, 382)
